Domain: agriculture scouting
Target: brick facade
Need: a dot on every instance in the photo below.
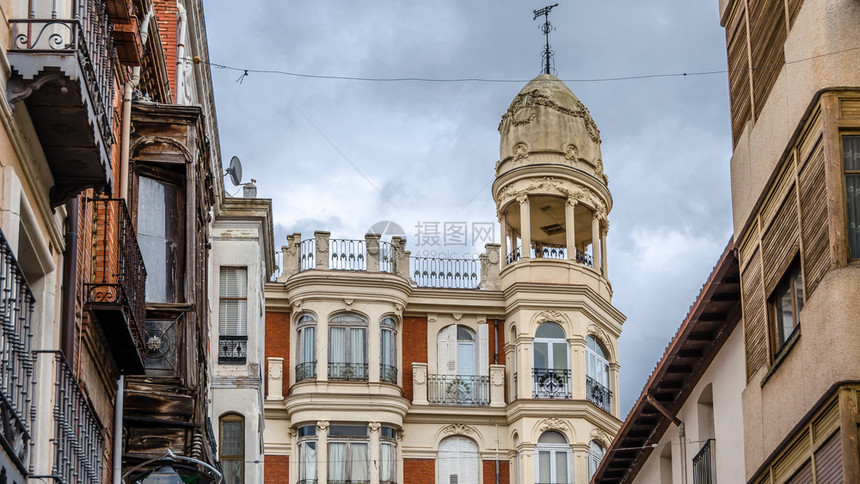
(276, 469)
(419, 471)
(414, 349)
(490, 472)
(278, 342)
(167, 15)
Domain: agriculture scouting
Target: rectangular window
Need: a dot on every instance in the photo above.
(307, 454)
(233, 316)
(387, 455)
(348, 454)
(232, 449)
(786, 303)
(851, 160)
(347, 353)
(159, 234)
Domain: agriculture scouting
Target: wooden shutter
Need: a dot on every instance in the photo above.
(813, 213)
(828, 461)
(458, 461)
(754, 313)
(446, 355)
(739, 71)
(233, 313)
(780, 240)
(802, 476)
(767, 38)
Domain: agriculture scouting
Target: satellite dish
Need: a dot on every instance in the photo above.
(235, 171)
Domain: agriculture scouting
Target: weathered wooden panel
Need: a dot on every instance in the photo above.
(739, 72)
(802, 476)
(850, 109)
(755, 317)
(792, 458)
(748, 245)
(767, 36)
(778, 190)
(813, 213)
(828, 461)
(826, 422)
(158, 404)
(810, 137)
(155, 440)
(780, 240)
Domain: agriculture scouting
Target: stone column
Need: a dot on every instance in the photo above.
(374, 452)
(321, 250)
(419, 384)
(276, 379)
(490, 268)
(503, 225)
(570, 228)
(497, 385)
(373, 350)
(579, 473)
(321, 350)
(595, 241)
(577, 373)
(371, 249)
(524, 375)
(613, 387)
(527, 462)
(322, 451)
(525, 226)
(604, 229)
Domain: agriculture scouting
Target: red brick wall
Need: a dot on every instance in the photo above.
(490, 472)
(414, 349)
(492, 340)
(276, 469)
(419, 471)
(278, 343)
(167, 15)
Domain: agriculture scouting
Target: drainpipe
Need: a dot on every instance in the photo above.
(180, 52)
(496, 341)
(117, 436)
(130, 85)
(70, 279)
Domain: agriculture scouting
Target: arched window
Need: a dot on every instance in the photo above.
(347, 345)
(597, 374)
(516, 464)
(306, 328)
(458, 461)
(388, 350)
(458, 380)
(595, 455)
(515, 390)
(553, 459)
(550, 368)
(307, 439)
(232, 448)
(388, 455)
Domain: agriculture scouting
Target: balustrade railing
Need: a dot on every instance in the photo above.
(77, 440)
(703, 464)
(547, 251)
(472, 390)
(119, 275)
(347, 255)
(306, 371)
(16, 360)
(388, 373)
(87, 36)
(306, 255)
(445, 273)
(386, 257)
(347, 371)
(550, 383)
(598, 394)
(232, 350)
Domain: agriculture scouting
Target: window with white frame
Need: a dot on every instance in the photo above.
(347, 343)
(595, 455)
(307, 455)
(348, 455)
(462, 367)
(233, 315)
(388, 350)
(458, 461)
(553, 459)
(306, 328)
(597, 374)
(387, 455)
(551, 362)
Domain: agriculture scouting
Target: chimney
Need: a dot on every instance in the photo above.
(249, 190)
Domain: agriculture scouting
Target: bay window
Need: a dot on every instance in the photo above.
(306, 327)
(347, 348)
(388, 350)
(307, 455)
(348, 454)
(388, 455)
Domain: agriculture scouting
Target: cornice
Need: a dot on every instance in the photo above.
(534, 300)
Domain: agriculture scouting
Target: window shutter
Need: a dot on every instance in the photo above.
(828, 460)
(446, 356)
(233, 308)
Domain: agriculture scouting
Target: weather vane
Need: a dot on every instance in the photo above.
(546, 28)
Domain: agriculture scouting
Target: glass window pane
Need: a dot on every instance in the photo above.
(232, 438)
(559, 356)
(852, 193)
(466, 359)
(851, 152)
(549, 330)
(337, 345)
(358, 462)
(541, 352)
(544, 472)
(337, 461)
(784, 316)
(560, 466)
(158, 237)
(232, 471)
(347, 431)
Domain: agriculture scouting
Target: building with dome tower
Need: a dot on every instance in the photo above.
(382, 367)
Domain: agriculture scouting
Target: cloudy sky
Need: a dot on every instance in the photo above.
(340, 155)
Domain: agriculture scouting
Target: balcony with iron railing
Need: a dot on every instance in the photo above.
(598, 394)
(16, 360)
(704, 465)
(550, 383)
(75, 433)
(468, 390)
(306, 371)
(547, 251)
(347, 371)
(388, 373)
(232, 349)
(115, 291)
(62, 58)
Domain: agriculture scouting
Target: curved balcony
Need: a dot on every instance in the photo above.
(550, 383)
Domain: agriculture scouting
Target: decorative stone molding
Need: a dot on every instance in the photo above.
(601, 437)
(522, 198)
(419, 375)
(458, 428)
(374, 426)
(292, 432)
(275, 377)
(577, 193)
(457, 316)
(497, 379)
(604, 227)
(523, 110)
(600, 335)
(571, 202)
(322, 425)
(490, 267)
(398, 309)
(297, 304)
(521, 152)
(551, 316)
(552, 424)
(571, 153)
(348, 302)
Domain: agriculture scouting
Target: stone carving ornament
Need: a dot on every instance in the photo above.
(523, 110)
(459, 428)
(498, 379)
(420, 376)
(552, 424)
(322, 425)
(577, 193)
(601, 437)
(276, 371)
(599, 334)
(373, 426)
(521, 152)
(551, 316)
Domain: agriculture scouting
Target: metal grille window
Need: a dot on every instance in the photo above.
(233, 315)
(233, 448)
(851, 160)
(348, 455)
(387, 455)
(597, 374)
(553, 459)
(458, 461)
(306, 328)
(388, 350)
(347, 343)
(307, 436)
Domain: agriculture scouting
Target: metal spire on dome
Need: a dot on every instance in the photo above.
(546, 28)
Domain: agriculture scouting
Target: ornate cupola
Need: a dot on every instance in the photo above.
(550, 190)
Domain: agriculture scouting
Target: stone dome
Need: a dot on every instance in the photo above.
(546, 123)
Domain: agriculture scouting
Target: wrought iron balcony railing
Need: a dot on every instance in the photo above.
(337, 481)
(116, 290)
(347, 255)
(598, 394)
(445, 273)
(471, 390)
(347, 371)
(388, 373)
(704, 465)
(232, 350)
(547, 251)
(550, 383)
(16, 360)
(386, 257)
(76, 433)
(306, 371)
